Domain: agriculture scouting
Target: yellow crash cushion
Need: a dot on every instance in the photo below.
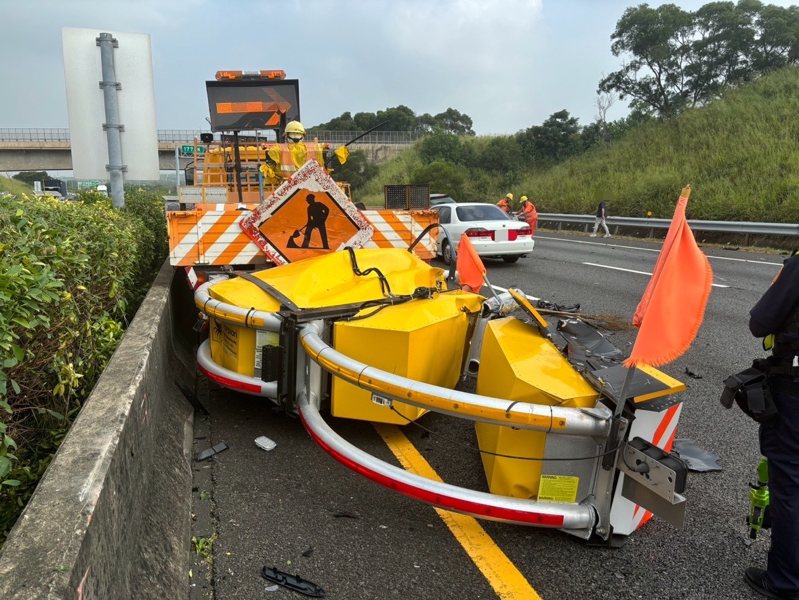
(519, 364)
(329, 280)
(424, 340)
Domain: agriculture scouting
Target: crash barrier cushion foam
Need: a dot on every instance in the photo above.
(111, 516)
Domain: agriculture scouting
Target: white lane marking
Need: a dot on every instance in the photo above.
(746, 260)
(638, 272)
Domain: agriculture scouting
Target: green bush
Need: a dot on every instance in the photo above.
(71, 276)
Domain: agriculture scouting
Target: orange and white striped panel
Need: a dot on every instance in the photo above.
(398, 229)
(659, 428)
(210, 235)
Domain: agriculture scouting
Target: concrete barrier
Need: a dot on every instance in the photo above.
(111, 517)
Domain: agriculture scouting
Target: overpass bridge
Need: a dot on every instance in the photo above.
(32, 149)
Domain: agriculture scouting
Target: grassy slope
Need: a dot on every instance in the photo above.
(740, 154)
(13, 186)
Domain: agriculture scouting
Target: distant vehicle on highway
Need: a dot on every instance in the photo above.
(436, 199)
(491, 231)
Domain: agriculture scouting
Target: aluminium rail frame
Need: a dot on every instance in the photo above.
(581, 519)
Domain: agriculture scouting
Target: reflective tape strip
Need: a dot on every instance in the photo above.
(385, 235)
(398, 229)
(214, 239)
(186, 251)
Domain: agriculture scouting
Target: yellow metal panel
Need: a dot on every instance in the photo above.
(233, 347)
(329, 280)
(519, 364)
(511, 476)
(423, 340)
(673, 385)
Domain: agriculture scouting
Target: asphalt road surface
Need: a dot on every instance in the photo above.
(297, 509)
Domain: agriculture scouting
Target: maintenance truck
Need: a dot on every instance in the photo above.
(315, 309)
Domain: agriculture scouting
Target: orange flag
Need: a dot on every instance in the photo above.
(470, 268)
(673, 305)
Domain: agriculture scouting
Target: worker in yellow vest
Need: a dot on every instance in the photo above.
(283, 160)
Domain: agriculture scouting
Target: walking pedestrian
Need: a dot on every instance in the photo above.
(601, 215)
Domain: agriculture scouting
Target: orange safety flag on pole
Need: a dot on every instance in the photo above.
(673, 305)
(471, 271)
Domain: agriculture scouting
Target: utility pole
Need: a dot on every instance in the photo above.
(112, 126)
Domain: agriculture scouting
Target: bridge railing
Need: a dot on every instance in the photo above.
(30, 134)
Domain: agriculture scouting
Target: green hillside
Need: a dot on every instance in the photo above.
(740, 154)
(13, 186)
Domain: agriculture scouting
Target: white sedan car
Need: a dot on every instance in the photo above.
(491, 231)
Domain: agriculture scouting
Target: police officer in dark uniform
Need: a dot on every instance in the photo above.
(776, 316)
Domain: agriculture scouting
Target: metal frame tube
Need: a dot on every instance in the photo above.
(537, 417)
(231, 379)
(236, 315)
(570, 517)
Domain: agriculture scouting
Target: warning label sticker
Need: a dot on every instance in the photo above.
(558, 488)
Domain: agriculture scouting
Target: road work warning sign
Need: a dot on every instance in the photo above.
(307, 215)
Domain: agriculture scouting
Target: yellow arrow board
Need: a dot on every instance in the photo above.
(307, 215)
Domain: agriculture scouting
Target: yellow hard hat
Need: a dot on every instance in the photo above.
(509, 196)
(295, 127)
(523, 199)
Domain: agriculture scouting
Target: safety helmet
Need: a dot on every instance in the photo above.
(509, 196)
(295, 131)
(523, 199)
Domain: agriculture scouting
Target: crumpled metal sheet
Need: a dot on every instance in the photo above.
(696, 458)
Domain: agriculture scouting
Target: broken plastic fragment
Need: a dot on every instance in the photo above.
(695, 457)
(265, 443)
(209, 452)
(292, 582)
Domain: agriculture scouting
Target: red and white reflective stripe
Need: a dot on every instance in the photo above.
(231, 379)
(194, 281)
(659, 428)
(478, 504)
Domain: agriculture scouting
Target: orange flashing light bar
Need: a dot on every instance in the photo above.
(244, 107)
(262, 74)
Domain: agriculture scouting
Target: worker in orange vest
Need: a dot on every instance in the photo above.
(504, 203)
(528, 213)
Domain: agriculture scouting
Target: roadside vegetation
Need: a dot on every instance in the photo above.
(9, 185)
(739, 153)
(714, 95)
(72, 275)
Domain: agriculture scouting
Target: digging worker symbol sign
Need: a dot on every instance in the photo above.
(307, 215)
(317, 215)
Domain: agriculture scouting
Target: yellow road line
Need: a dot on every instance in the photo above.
(501, 573)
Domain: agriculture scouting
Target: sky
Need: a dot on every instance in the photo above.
(507, 64)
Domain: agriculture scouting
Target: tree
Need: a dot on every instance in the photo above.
(776, 41)
(558, 137)
(442, 146)
(659, 41)
(443, 177)
(453, 121)
(682, 59)
(357, 170)
(29, 177)
(401, 118)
